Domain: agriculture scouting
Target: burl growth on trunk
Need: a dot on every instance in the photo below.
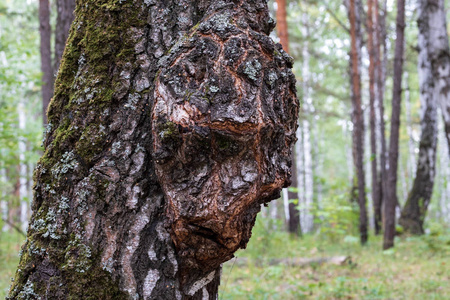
(224, 124)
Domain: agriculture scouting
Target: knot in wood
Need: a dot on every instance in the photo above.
(224, 123)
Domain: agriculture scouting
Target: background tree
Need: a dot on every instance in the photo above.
(46, 56)
(391, 192)
(357, 115)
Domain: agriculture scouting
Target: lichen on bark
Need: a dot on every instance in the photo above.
(104, 224)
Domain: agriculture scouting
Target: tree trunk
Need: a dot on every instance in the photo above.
(391, 192)
(409, 130)
(65, 16)
(46, 56)
(381, 65)
(306, 216)
(172, 122)
(373, 90)
(432, 23)
(414, 211)
(357, 115)
(283, 34)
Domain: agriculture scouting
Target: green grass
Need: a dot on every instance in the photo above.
(10, 244)
(418, 268)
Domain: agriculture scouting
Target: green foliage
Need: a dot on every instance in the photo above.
(403, 273)
(337, 218)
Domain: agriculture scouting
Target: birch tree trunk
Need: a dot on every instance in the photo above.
(432, 23)
(391, 192)
(23, 191)
(172, 122)
(357, 115)
(306, 216)
(414, 211)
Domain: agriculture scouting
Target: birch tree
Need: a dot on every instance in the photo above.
(172, 122)
(414, 211)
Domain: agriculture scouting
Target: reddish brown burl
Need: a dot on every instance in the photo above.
(224, 124)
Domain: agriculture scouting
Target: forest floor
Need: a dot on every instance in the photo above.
(418, 268)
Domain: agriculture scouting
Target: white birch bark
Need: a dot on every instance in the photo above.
(306, 214)
(3, 202)
(24, 207)
(300, 165)
(432, 21)
(409, 130)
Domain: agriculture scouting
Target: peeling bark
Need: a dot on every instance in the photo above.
(172, 122)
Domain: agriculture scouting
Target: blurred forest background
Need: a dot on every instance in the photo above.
(351, 194)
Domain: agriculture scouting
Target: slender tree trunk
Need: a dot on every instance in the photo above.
(374, 91)
(306, 215)
(65, 15)
(3, 202)
(357, 116)
(283, 34)
(391, 192)
(23, 192)
(172, 122)
(381, 65)
(46, 56)
(409, 130)
(414, 211)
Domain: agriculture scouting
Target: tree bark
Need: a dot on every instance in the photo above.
(357, 115)
(46, 56)
(414, 211)
(172, 122)
(391, 192)
(434, 27)
(65, 15)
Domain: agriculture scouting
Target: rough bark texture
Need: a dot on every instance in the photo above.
(46, 56)
(357, 115)
(172, 122)
(65, 15)
(414, 211)
(391, 192)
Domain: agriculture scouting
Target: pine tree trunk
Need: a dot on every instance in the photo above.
(391, 187)
(172, 122)
(65, 15)
(381, 65)
(46, 56)
(357, 115)
(414, 211)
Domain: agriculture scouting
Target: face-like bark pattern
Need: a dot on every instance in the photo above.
(101, 228)
(224, 123)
